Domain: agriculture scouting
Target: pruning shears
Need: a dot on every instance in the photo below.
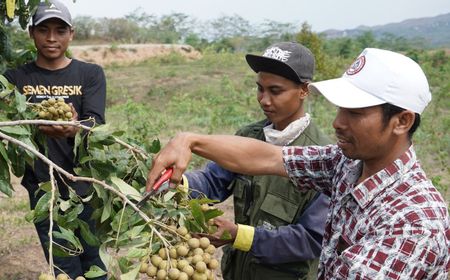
(160, 185)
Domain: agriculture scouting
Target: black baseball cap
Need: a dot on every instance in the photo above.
(290, 60)
(51, 9)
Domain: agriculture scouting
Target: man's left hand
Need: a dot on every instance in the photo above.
(223, 225)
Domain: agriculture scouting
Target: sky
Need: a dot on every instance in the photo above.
(320, 14)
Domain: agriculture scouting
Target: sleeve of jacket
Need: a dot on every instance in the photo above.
(296, 242)
(213, 181)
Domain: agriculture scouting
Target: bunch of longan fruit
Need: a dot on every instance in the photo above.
(54, 110)
(61, 276)
(191, 258)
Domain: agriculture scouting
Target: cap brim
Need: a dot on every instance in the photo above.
(344, 94)
(44, 18)
(270, 65)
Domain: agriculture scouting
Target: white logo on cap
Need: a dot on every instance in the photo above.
(356, 66)
(277, 53)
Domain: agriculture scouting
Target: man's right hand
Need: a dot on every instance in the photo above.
(176, 154)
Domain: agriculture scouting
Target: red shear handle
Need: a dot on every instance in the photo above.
(164, 177)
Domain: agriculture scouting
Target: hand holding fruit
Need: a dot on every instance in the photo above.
(224, 226)
(57, 110)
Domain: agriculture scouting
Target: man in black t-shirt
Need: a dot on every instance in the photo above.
(54, 75)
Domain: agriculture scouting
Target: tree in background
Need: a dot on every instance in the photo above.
(11, 37)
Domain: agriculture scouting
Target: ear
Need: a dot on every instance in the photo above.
(72, 32)
(304, 92)
(403, 122)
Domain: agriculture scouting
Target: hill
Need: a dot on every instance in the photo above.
(434, 32)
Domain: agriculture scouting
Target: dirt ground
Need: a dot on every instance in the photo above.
(129, 53)
(21, 255)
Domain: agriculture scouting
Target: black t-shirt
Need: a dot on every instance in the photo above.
(80, 83)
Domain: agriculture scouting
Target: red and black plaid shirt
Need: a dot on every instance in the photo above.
(394, 225)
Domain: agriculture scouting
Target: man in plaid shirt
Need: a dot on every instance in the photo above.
(386, 220)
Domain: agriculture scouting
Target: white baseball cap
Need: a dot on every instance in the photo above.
(377, 77)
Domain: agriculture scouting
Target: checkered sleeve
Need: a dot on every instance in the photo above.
(403, 253)
(312, 166)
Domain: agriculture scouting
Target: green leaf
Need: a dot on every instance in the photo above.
(102, 135)
(104, 255)
(5, 180)
(16, 157)
(169, 195)
(58, 251)
(135, 253)
(87, 235)
(197, 213)
(15, 130)
(3, 152)
(106, 214)
(20, 100)
(94, 271)
(69, 236)
(47, 186)
(132, 274)
(64, 205)
(155, 147)
(4, 81)
(41, 210)
(212, 213)
(226, 235)
(126, 189)
(135, 231)
(74, 212)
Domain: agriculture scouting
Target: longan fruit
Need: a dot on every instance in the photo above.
(161, 274)
(182, 251)
(151, 271)
(62, 276)
(206, 258)
(211, 249)
(193, 243)
(204, 242)
(163, 264)
(173, 253)
(162, 253)
(209, 274)
(196, 259)
(189, 270)
(198, 251)
(80, 278)
(181, 264)
(156, 260)
(174, 273)
(173, 263)
(45, 276)
(183, 276)
(143, 268)
(213, 264)
(199, 276)
(182, 231)
(200, 266)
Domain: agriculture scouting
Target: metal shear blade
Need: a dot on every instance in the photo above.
(162, 184)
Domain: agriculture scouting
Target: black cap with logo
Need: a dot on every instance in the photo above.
(51, 9)
(290, 60)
